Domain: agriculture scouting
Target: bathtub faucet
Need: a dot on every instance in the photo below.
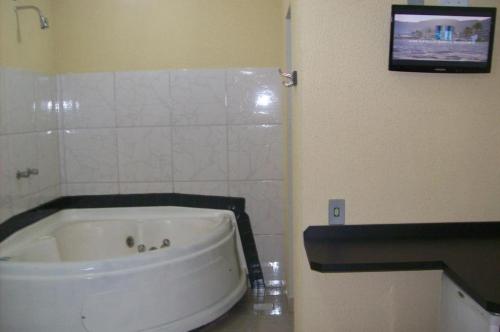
(27, 173)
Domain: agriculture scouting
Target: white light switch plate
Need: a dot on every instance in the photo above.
(336, 212)
(458, 3)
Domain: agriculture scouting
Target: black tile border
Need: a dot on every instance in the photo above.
(235, 204)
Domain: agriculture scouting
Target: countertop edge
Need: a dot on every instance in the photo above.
(313, 234)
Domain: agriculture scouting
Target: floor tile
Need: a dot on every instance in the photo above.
(258, 311)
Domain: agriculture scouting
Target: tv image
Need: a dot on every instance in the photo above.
(442, 39)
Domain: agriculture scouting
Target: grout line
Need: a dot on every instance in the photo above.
(228, 168)
(29, 132)
(164, 126)
(116, 134)
(38, 192)
(63, 172)
(172, 164)
(177, 181)
(61, 132)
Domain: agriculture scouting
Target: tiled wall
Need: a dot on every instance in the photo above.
(28, 138)
(216, 132)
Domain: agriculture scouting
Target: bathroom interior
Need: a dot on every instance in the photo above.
(123, 102)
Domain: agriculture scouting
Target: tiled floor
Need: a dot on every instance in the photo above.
(258, 311)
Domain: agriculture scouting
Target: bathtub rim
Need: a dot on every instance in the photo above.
(85, 269)
(65, 217)
(235, 204)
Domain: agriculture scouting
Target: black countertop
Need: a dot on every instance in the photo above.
(469, 253)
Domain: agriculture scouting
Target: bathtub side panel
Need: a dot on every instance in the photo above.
(166, 295)
(138, 298)
(41, 305)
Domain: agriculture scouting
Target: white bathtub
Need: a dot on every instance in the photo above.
(74, 271)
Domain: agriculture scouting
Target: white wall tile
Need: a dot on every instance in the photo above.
(198, 104)
(23, 154)
(46, 117)
(27, 106)
(216, 188)
(145, 154)
(143, 98)
(91, 155)
(5, 200)
(264, 204)
(49, 194)
(48, 159)
(254, 96)
(4, 164)
(146, 187)
(59, 106)
(5, 213)
(21, 204)
(88, 100)
(200, 153)
(76, 189)
(199, 97)
(255, 152)
(201, 86)
(18, 101)
(192, 113)
(62, 162)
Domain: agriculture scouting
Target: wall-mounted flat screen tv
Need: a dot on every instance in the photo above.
(442, 39)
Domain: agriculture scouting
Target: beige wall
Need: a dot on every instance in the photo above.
(29, 47)
(2, 28)
(115, 35)
(399, 147)
(108, 35)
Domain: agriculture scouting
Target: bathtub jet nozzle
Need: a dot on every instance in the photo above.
(130, 241)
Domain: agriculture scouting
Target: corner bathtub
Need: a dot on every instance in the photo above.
(81, 271)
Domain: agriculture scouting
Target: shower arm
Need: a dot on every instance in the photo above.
(44, 23)
(29, 7)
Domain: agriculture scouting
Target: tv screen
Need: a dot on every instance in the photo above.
(442, 39)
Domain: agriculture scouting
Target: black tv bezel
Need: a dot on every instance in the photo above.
(442, 66)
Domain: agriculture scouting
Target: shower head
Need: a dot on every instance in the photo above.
(44, 22)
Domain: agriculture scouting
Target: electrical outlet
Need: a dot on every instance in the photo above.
(336, 212)
(457, 3)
